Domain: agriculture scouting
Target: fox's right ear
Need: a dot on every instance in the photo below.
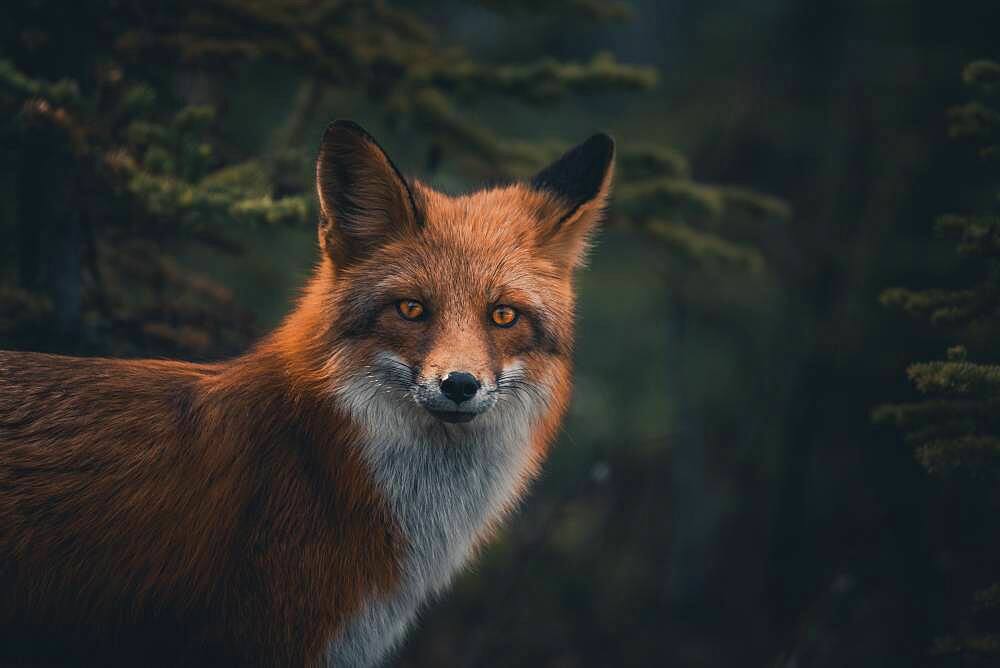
(363, 199)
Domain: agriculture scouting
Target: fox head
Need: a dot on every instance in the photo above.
(455, 310)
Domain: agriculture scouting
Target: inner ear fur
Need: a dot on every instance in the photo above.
(577, 185)
(364, 201)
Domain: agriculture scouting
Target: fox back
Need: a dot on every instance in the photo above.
(297, 505)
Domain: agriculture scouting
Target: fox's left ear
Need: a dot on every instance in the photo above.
(578, 184)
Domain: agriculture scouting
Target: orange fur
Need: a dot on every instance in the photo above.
(179, 503)
(168, 513)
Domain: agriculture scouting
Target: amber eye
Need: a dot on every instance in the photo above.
(504, 316)
(410, 309)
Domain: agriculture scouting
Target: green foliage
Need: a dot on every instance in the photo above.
(593, 9)
(705, 250)
(956, 378)
(695, 224)
(978, 120)
(540, 82)
(145, 174)
(978, 235)
(955, 428)
(149, 175)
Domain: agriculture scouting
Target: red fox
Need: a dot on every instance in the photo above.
(296, 506)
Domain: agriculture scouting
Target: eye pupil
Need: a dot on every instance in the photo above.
(410, 309)
(504, 316)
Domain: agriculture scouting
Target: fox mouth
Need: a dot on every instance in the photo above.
(453, 416)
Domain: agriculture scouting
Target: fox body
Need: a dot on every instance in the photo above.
(298, 504)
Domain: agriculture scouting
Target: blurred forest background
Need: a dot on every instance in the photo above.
(783, 445)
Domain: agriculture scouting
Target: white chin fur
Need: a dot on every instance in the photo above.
(445, 483)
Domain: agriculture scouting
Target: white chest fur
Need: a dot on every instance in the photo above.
(445, 485)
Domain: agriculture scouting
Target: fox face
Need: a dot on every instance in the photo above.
(462, 307)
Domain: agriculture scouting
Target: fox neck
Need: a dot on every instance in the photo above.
(447, 492)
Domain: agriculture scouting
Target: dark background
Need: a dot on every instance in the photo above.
(720, 495)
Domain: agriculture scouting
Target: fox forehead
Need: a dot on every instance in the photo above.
(481, 247)
(509, 214)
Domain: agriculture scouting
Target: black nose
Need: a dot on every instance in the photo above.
(459, 386)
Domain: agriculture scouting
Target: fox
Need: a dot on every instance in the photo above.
(300, 504)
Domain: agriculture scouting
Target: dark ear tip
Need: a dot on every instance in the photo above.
(341, 126)
(601, 143)
(579, 174)
(345, 124)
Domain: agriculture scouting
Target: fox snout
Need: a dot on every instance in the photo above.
(459, 386)
(458, 396)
